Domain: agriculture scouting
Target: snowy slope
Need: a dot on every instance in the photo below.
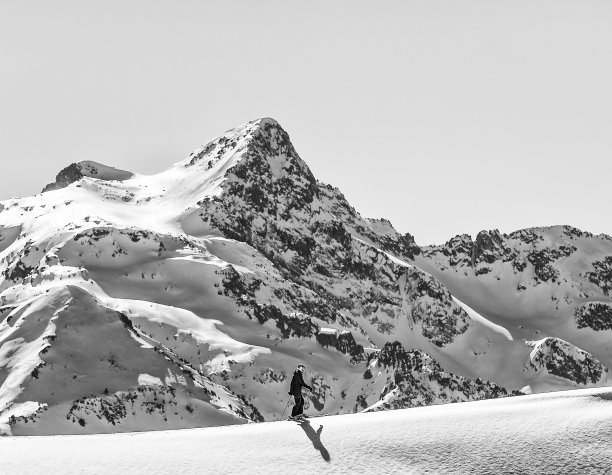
(186, 299)
(557, 433)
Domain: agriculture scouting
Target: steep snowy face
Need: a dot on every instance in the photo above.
(186, 298)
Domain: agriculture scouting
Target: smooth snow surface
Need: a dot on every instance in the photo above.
(558, 433)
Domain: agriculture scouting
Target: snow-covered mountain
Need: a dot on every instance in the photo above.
(186, 299)
(550, 287)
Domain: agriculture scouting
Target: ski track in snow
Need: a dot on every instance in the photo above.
(557, 433)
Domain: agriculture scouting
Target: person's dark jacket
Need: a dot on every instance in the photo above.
(297, 382)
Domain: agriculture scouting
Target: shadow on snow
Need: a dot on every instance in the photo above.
(315, 438)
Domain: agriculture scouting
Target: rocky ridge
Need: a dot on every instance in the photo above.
(76, 171)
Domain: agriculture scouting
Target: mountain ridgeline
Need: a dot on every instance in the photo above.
(187, 298)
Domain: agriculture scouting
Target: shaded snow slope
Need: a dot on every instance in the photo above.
(563, 432)
(186, 298)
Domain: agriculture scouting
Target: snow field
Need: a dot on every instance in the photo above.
(557, 433)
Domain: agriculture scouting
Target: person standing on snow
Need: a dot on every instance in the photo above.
(297, 382)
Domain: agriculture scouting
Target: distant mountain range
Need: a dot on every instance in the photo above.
(187, 298)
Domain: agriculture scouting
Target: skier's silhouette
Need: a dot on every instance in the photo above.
(297, 383)
(315, 438)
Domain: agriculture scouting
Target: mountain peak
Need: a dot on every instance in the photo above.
(89, 168)
(265, 131)
(266, 121)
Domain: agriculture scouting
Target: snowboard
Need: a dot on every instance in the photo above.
(305, 417)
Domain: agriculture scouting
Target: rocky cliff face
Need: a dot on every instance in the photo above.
(413, 378)
(187, 298)
(561, 359)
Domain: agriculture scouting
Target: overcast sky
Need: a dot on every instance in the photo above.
(445, 117)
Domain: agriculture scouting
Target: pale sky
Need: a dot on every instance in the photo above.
(446, 117)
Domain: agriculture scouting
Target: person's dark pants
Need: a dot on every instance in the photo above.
(298, 408)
